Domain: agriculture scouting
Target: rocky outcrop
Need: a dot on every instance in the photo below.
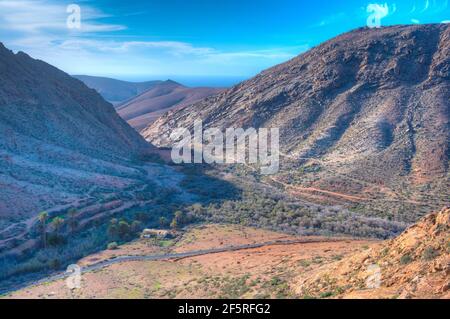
(416, 264)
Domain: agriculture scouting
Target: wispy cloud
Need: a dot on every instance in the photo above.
(275, 53)
(427, 5)
(38, 27)
(394, 8)
(114, 46)
(332, 19)
(33, 17)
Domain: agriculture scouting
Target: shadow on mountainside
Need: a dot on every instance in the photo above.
(73, 232)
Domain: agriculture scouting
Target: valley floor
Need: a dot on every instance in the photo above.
(267, 271)
(231, 261)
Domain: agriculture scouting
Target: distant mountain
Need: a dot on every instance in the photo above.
(365, 114)
(145, 108)
(116, 91)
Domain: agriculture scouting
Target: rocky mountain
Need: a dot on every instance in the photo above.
(416, 264)
(364, 115)
(145, 108)
(43, 104)
(116, 91)
(64, 147)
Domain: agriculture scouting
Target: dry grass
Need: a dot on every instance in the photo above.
(263, 272)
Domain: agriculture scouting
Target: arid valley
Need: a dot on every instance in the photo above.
(95, 203)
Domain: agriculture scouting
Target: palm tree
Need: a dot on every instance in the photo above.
(57, 223)
(174, 224)
(124, 229)
(43, 220)
(72, 221)
(113, 228)
(162, 222)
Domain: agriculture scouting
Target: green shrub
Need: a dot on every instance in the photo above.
(429, 253)
(136, 227)
(276, 281)
(124, 229)
(406, 259)
(326, 294)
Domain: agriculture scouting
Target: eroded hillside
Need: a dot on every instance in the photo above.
(364, 119)
(414, 265)
(64, 150)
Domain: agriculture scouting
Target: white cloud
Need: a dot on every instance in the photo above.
(427, 5)
(39, 28)
(32, 17)
(330, 20)
(112, 57)
(272, 54)
(130, 47)
(394, 8)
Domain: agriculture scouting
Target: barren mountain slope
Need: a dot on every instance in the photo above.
(144, 109)
(367, 112)
(116, 91)
(414, 265)
(39, 102)
(62, 146)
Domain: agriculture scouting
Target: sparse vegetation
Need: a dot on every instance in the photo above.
(430, 253)
(43, 225)
(406, 259)
(267, 209)
(326, 294)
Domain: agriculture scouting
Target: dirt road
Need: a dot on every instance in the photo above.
(178, 256)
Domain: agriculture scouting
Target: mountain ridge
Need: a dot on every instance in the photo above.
(371, 105)
(116, 91)
(22, 86)
(143, 109)
(60, 142)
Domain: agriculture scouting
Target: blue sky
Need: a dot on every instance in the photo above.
(152, 39)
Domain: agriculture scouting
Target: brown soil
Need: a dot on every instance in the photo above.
(414, 265)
